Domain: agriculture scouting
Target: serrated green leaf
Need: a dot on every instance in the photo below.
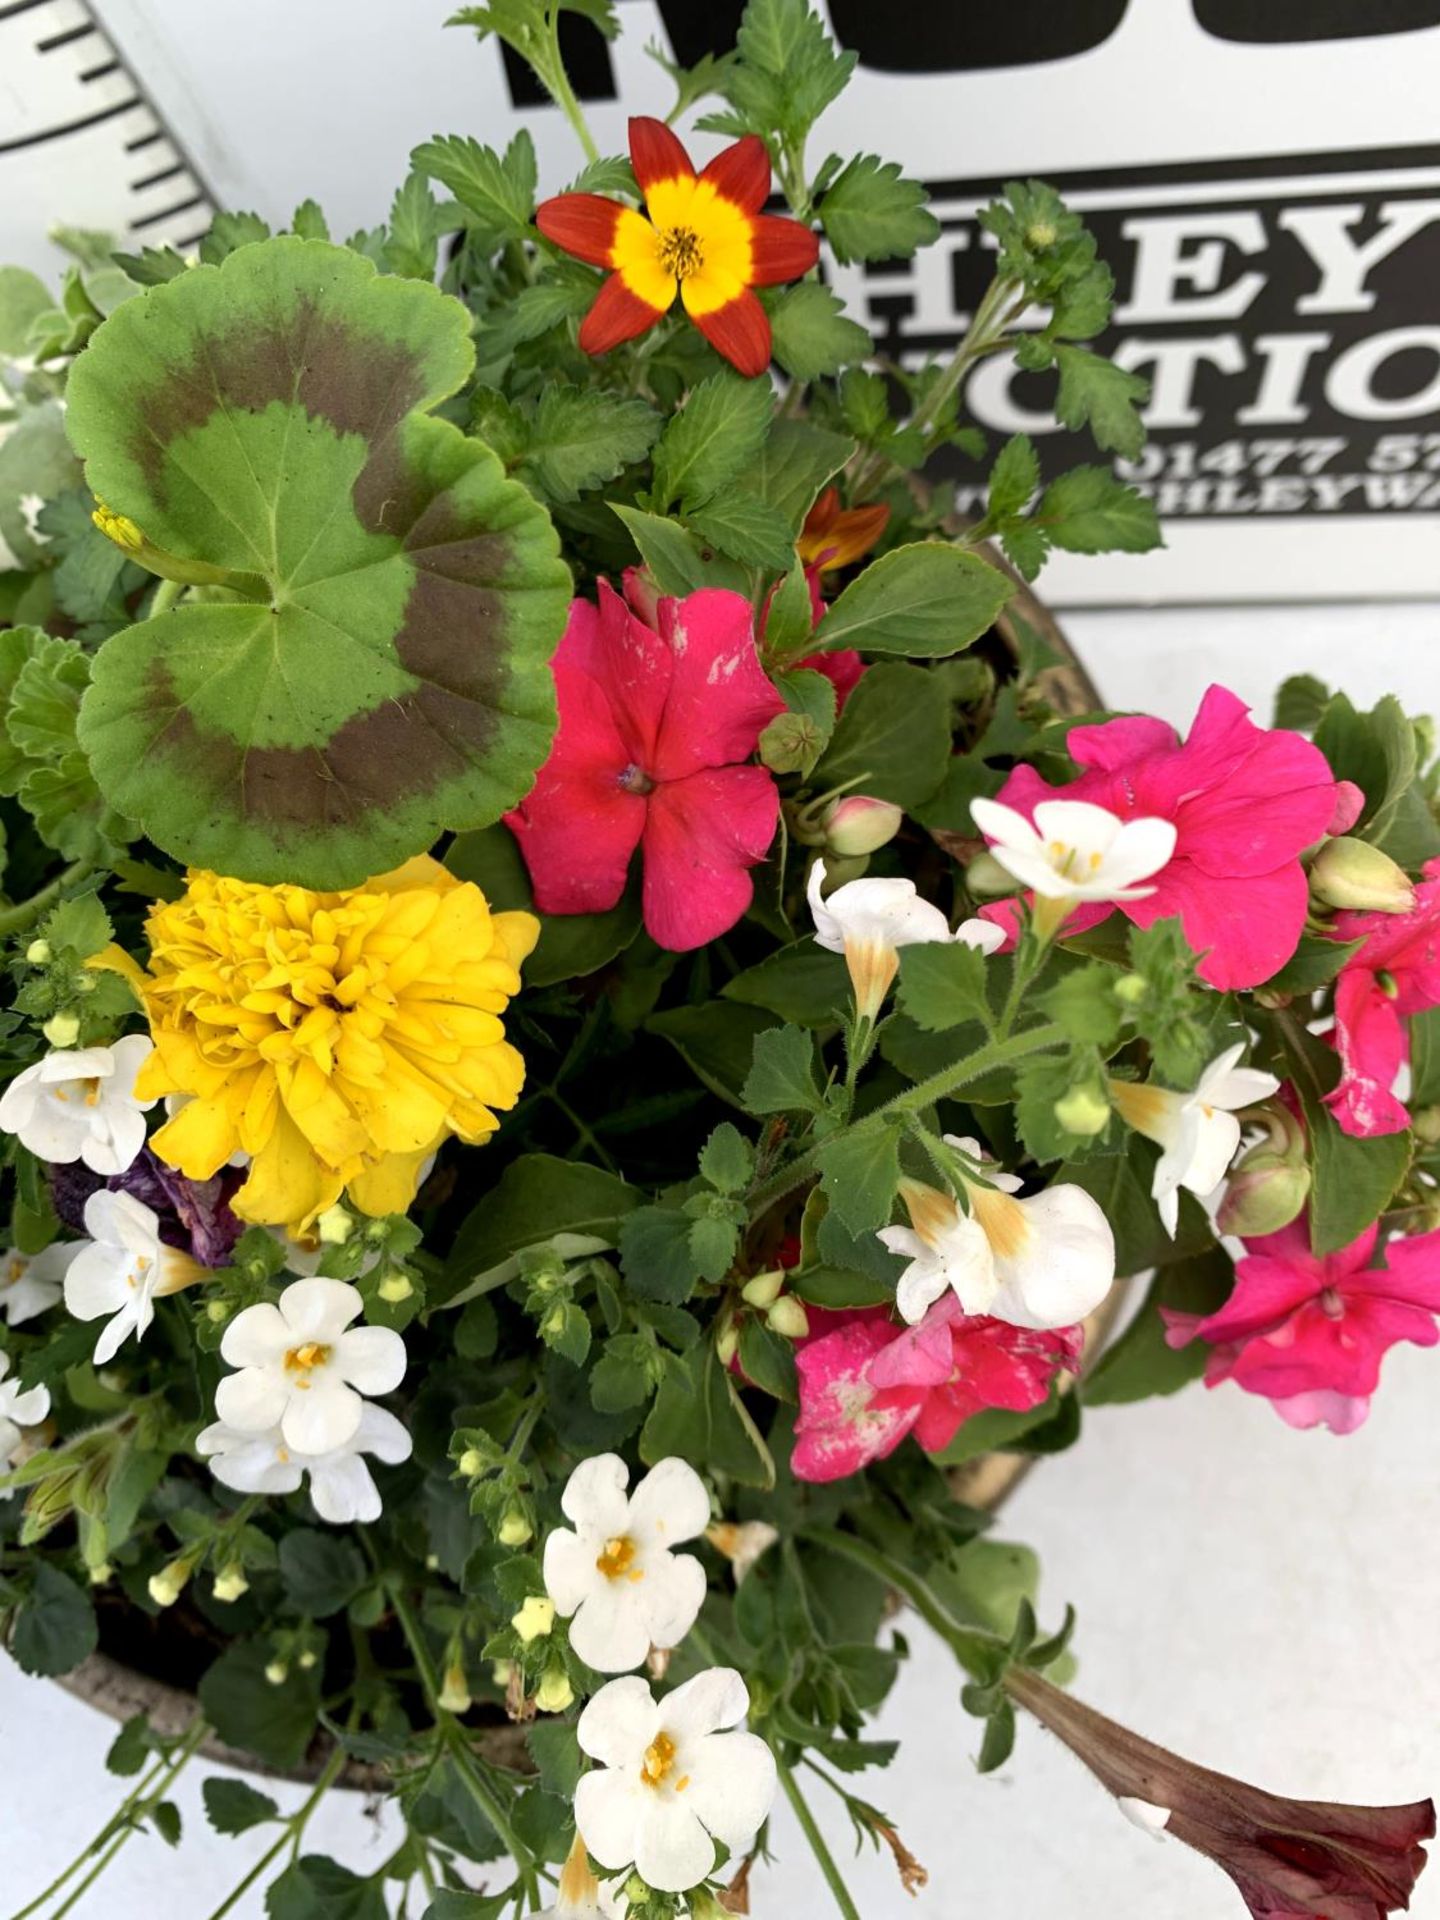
(497, 192)
(697, 1417)
(872, 212)
(744, 529)
(318, 1888)
(715, 437)
(234, 1806)
(412, 244)
(54, 1628)
(1014, 476)
(276, 1723)
(656, 1256)
(391, 676)
(811, 335)
(322, 1571)
(787, 72)
(726, 1159)
(678, 560)
(1376, 750)
(927, 599)
(1094, 392)
(782, 1073)
(943, 985)
(861, 1171)
(1089, 511)
(792, 466)
(582, 437)
(23, 298)
(1299, 702)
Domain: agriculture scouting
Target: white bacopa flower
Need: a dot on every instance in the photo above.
(17, 1411)
(580, 1896)
(81, 1105)
(1197, 1132)
(1045, 1261)
(1076, 850)
(303, 1368)
(123, 1269)
(672, 1778)
(342, 1489)
(31, 1283)
(615, 1577)
(870, 920)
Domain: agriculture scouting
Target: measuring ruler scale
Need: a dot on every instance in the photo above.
(82, 143)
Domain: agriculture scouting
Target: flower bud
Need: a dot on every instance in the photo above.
(38, 953)
(727, 1345)
(1084, 1110)
(472, 1463)
(764, 1289)
(859, 825)
(395, 1287)
(277, 1673)
(1131, 988)
(166, 1587)
(535, 1618)
(1352, 873)
(985, 875)
(102, 1575)
(1426, 1123)
(217, 1312)
(83, 982)
(554, 1693)
(61, 1030)
(335, 1225)
(306, 1659)
(790, 743)
(788, 1317)
(515, 1528)
(1264, 1194)
(454, 1696)
(230, 1583)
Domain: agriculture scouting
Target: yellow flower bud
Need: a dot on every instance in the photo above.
(1083, 1110)
(100, 1576)
(727, 1345)
(554, 1693)
(788, 1317)
(472, 1463)
(454, 1694)
(62, 1030)
(333, 1227)
(535, 1618)
(395, 1287)
(764, 1289)
(307, 1659)
(277, 1673)
(230, 1583)
(117, 527)
(166, 1587)
(217, 1311)
(515, 1529)
(38, 953)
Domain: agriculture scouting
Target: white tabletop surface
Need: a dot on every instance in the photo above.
(1260, 1599)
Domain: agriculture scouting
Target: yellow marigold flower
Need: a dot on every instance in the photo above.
(336, 1038)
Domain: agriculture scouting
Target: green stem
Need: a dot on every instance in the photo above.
(136, 1794)
(833, 1878)
(293, 1830)
(969, 1647)
(583, 1129)
(175, 1763)
(24, 912)
(557, 83)
(472, 1774)
(939, 1086)
(166, 595)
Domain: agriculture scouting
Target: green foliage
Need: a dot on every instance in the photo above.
(871, 212)
(55, 1627)
(247, 1711)
(786, 72)
(893, 739)
(943, 986)
(811, 334)
(234, 1806)
(713, 439)
(200, 725)
(782, 1073)
(321, 1571)
(496, 192)
(1141, 1363)
(860, 1172)
(925, 600)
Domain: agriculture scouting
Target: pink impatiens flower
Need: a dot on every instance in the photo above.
(1308, 1330)
(1245, 802)
(1395, 973)
(865, 1383)
(655, 728)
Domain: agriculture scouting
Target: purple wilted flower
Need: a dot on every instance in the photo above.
(194, 1215)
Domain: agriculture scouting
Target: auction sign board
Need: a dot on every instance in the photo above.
(1262, 175)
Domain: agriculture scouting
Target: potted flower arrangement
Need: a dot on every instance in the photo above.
(592, 1018)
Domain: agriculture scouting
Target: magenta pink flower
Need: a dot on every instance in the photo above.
(1246, 802)
(1395, 973)
(865, 1383)
(655, 729)
(1308, 1330)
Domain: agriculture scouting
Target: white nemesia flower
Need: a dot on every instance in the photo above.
(123, 1269)
(81, 1105)
(869, 920)
(580, 1896)
(1076, 850)
(303, 1368)
(18, 1410)
(672, 1779)
(616, 1574)
(31, 1283)
(1045, 1261)
(341, 1487)
(1197, 1131)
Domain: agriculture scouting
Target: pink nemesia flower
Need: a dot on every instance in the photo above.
(1309, 1331)
(1370, 1012)
(867, 1383)
(1245, 801)
(655, 729)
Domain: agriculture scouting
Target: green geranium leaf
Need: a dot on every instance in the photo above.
(383, 672)
(926, 599)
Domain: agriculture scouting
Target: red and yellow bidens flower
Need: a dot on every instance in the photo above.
(704, 238)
